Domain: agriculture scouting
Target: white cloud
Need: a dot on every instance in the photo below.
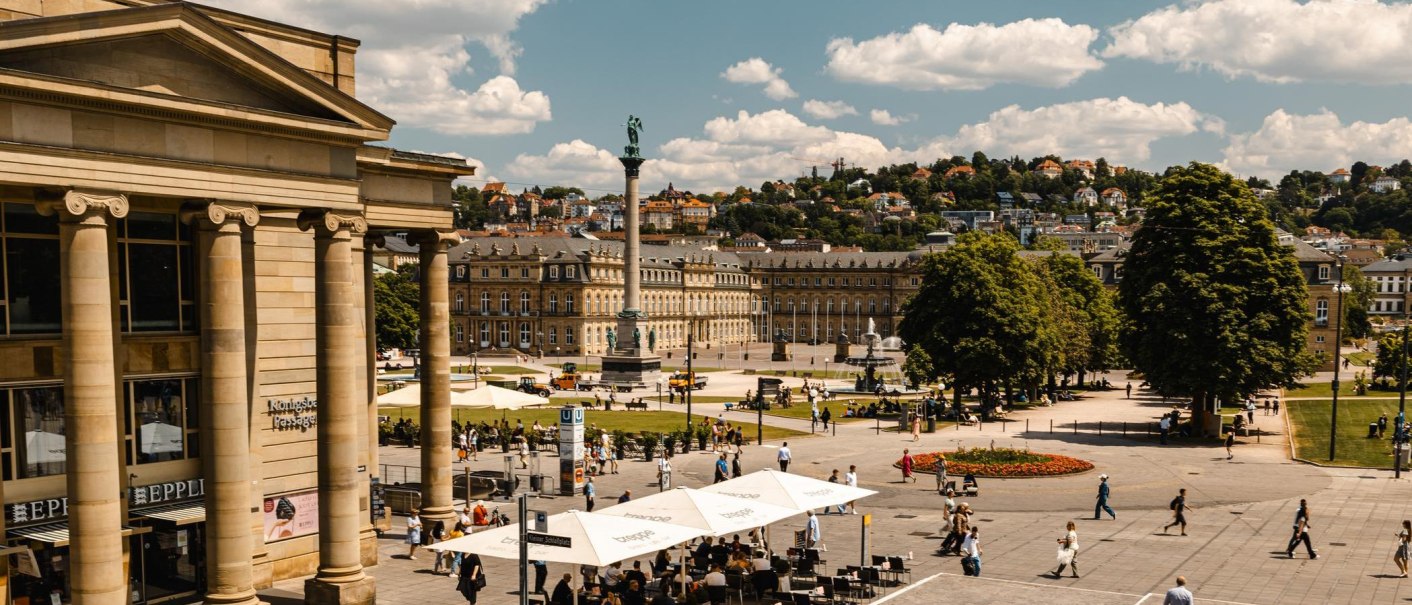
(758, 71)
(1282, 41)
(828, 110)
(884, 117)
(1120, 129)
(574, 163)
(1038, 52)
(412, 51)
(1319, 141)
(777, 127)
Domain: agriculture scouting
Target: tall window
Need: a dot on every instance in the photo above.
(569, 303)
(524, 334)
(553, 303)
(162, 420)
(484, 333)
(569, 271)
(29, 271)
(460, 302)
(872, 305)
(460, 333)
(155, 283)
(485, 303)
(524, 303)
(504, 333)
(36, 447)
(1321, 313)
(553, 336)
(505, 303)
(829, 307)
(569, 335)
(554, 272)
(1323, 272)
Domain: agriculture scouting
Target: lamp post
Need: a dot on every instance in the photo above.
(1338, 352)
(660, 380)
(686, 392)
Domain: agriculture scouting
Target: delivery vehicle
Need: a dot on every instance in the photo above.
(683, 380)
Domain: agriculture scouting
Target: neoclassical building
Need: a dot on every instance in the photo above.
(187, 198)
(560, 295)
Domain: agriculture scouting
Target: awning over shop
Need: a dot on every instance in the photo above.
(185, 513)
(57, 534)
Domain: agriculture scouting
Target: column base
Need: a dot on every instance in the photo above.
(240, 598)
(358, 592)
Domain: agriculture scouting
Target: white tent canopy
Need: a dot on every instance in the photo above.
(788, 490)
(597, 539)
(486, 396)
(715, 514)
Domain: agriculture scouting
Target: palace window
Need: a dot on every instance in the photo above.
(872, 305)
(484, 333)
(155, 277)
(569, 303)
(524, 334)
(1323, 272)
(29, 271)
(460, 271)
(553, 336)
(460, 302)
(504, 273)
(460, 333)
(845, 282)
(524, 272)
(504, 333)
(505, 302)
(485, 272)
(485, 303)
(568, 335)
(1321, 313)
(524, 303)
(553, 303)
(569, 272)
(554, 272)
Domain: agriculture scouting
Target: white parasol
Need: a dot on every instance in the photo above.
(595, 539)
(792, 491)
(715, 514)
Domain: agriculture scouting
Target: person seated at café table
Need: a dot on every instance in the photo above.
(661, 563)
(735, 544)
(635, 574)
(563, 591)
(632, 595)
(739, 562)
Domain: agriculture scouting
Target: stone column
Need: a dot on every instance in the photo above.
(225, 444)
(340, 578)
(632, 251)
(96, 570)
(435, 324)
(370, 241)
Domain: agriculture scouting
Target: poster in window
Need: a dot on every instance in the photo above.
(291, 515)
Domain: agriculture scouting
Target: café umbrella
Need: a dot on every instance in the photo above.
(499, 398)
(788, 490)
(160, 438)
(594, 539)
(715, 514)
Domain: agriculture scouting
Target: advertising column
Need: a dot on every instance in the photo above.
(570, 451)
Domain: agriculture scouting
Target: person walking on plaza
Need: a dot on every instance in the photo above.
(1069, 552)
(916, 427)
(1399, 557)
(939, 467)
(414, 534)
(1250, 409)
(588, 493)
(1102, 505)
(907, 466)
(735, 465)
(1178, 595)
(834, 478)
(541, 575)
(472, 579)
(1230, 443)
(1301, 532)
(811, 531)
(721, 469)
(1164, 426)
(783, 457)
(1179, 508)
(971, 550)
(851, 479)
(1129, 389)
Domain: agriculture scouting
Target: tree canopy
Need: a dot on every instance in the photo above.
(396, 298)
(1215, 305)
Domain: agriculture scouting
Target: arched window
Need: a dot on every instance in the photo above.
(484, 333)
(830, 306)
(460, 302)
(505, 332)
(553, 303)
(460, 333)
(569, 303)
(568, 335)
(505, 303)
(524, 334)
(553, 336)
(872, 305)
(485, 303)
(524, 303)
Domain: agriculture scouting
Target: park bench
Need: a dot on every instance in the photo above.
(636, 405)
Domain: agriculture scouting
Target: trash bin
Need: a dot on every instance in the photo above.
(931, 424)
(536, 483)
(1372, 430)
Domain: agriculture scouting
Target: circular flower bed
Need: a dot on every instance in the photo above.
(999, 463)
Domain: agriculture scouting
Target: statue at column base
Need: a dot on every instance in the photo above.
(358, 592)
(631, 314)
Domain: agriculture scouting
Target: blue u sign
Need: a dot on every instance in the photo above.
(571, 415)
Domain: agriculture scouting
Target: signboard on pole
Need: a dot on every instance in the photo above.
(549, 540)
(571, 477)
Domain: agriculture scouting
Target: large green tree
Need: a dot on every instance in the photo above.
(979, 315)
(1083, 309)
(1215, 306)
(1388, 363)
(1356, 302)
(396, 297)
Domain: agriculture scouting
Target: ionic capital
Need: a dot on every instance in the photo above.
(330, 223)
(218, 214)
(86, 205)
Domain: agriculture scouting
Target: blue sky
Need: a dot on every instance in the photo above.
(735, 92)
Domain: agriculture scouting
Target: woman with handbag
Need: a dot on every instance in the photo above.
(472, 578)
(1069, 552)
(414, 534)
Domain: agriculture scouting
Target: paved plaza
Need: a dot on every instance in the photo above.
(1234, 551)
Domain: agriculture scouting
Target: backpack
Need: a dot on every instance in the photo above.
(1173, 504)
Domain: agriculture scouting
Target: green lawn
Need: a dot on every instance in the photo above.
(628, 421)
(1311, 431)
(836, 408)
(1361, 358)
(697, 398)
(1325, 389)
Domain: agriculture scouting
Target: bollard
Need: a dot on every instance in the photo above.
(1002, 426)
(1051, 426)
(1125, 428)
(1027, 425)
(1100, 428)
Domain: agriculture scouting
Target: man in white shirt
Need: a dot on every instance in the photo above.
(851, 478)
(971, 548)
(760, 562)
(664, 472)
(465, 517)
(715, 578)
(811, 531)
(613, 575)
(1178, 595)
(784, 457)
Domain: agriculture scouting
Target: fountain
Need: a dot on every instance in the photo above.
(870, 381)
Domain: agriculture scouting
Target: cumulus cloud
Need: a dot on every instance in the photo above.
(412, 51)
(1318, 141)
(776, 126)
(759, 71)
(884, 117)
(828, 110)
(1114, 128)
(1279, 41)
(1037, 52)
(577, 162)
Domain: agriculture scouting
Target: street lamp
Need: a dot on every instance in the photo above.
(1338, 352)
(1397, 437)
(660, 380)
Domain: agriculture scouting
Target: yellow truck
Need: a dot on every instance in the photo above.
(683, 380)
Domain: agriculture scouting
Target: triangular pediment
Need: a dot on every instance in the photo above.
(175, 51)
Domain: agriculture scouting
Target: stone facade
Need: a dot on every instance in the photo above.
(186, 198)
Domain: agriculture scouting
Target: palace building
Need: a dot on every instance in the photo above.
(188, 199)
(559, 296)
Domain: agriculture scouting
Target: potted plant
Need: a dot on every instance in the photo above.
(684, 437)
(649, 445)
(702, 434)
(669, 442)
(620, 442)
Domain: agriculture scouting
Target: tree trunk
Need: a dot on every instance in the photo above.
(1081, 378)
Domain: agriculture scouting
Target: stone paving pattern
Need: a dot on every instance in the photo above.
(1234, 551)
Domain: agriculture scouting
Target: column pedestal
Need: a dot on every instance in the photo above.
(629, 362)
